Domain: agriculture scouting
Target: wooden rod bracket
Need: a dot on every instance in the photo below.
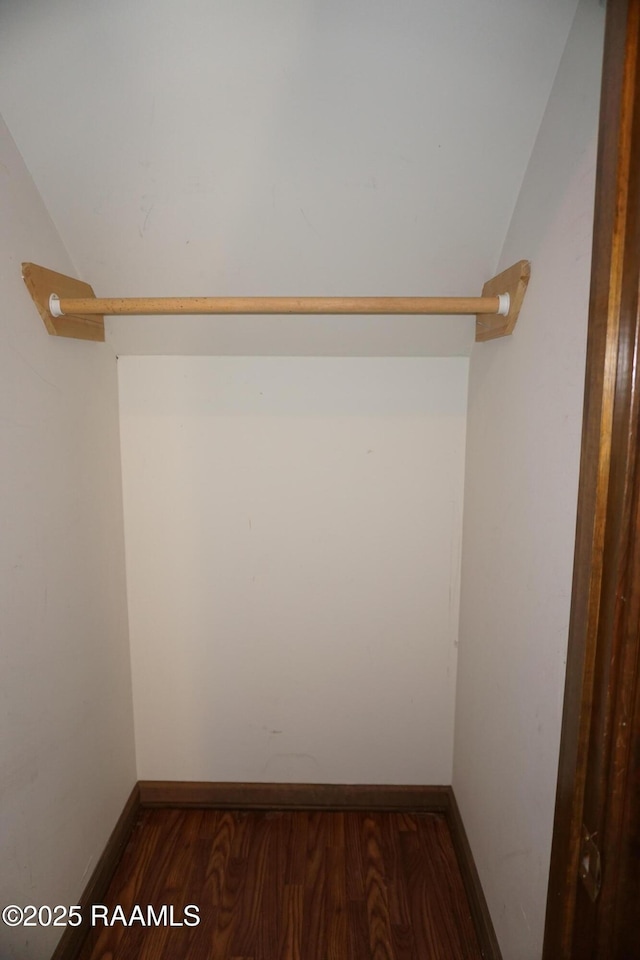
(41, 283)
(513, 281)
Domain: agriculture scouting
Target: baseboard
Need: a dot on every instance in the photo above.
(73, 938)
(294, 796)
(475, 895)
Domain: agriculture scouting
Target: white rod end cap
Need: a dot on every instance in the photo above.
(54, 306)
(504, 304)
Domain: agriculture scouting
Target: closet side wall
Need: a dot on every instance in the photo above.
(67, 760)
(293, 548)
(524, 429)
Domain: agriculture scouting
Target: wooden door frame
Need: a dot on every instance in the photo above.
(595, 730)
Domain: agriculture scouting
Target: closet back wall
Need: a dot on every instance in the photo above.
(292, 533)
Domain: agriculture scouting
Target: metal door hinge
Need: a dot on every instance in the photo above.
(590, 865)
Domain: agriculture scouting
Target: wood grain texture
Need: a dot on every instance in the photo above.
(610, 928)
(294, 796)
(514, 281)
(596, 780)
(291, 885)
(41, 283)
(158, 306)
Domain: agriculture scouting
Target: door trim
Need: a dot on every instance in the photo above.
(607, 481)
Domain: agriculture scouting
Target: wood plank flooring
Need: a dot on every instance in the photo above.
(297, 885)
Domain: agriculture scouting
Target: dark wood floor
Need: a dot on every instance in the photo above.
(290, 886)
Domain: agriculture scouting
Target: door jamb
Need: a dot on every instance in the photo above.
(607, 471)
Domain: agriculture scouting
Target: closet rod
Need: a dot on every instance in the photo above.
(150, 306)
(69, 307)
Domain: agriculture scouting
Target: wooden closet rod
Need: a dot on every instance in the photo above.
(69, 307)
(151, 306)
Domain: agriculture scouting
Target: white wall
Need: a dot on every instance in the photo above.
(525, 412)
(292, 536)
(281, 147)
(66, 733)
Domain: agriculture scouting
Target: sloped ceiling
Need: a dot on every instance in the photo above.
(281, 147)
